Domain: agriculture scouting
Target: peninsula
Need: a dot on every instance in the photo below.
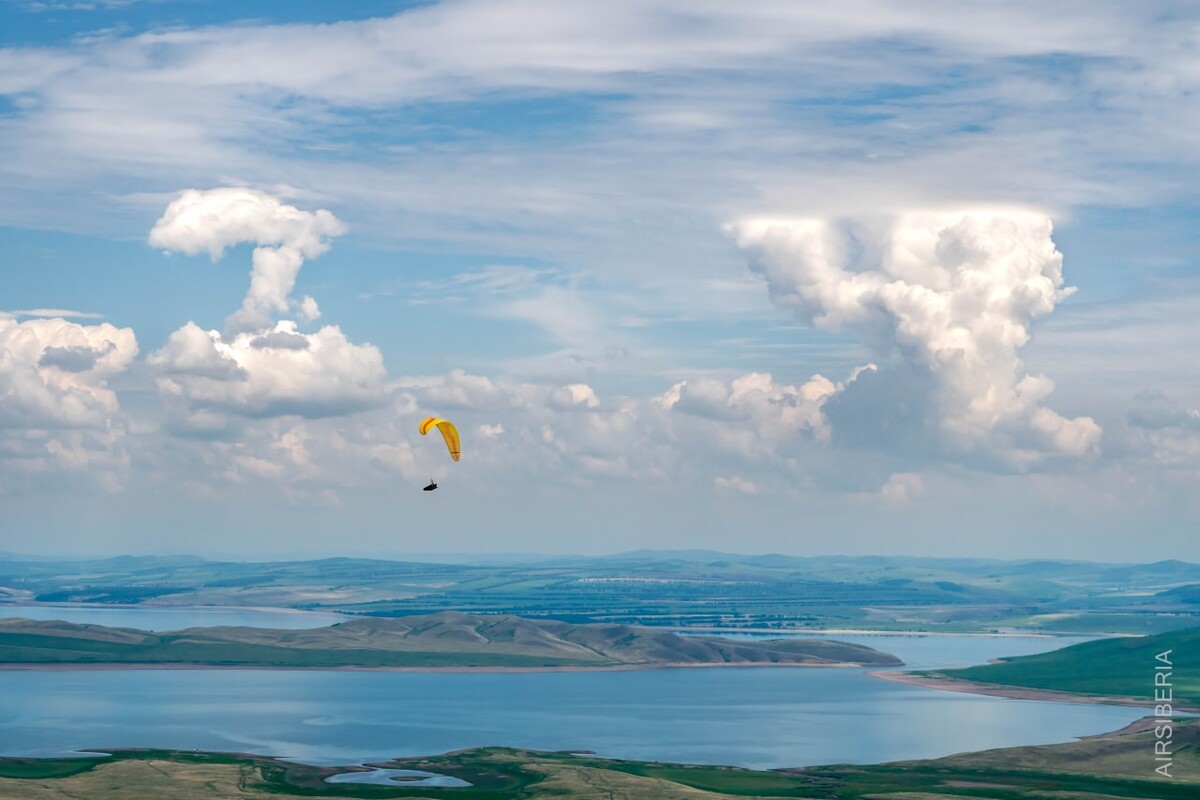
(1145, 671)
(446, 640)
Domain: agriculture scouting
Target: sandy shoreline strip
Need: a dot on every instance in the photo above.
(784, 632)
(1015, 692)
(16, 667)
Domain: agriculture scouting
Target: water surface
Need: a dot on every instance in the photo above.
(755, 717)
(387, 777)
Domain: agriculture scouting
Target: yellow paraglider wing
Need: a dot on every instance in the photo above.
(449, 433)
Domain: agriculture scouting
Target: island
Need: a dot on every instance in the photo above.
(443, 641)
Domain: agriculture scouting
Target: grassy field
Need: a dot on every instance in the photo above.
(1106, 767)
(1122, 667)
(440, 640)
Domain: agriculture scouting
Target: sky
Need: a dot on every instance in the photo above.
(857, 277)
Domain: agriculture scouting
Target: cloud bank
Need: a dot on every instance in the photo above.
(946, 300)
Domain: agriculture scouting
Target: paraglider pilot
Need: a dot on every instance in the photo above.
(449, 435)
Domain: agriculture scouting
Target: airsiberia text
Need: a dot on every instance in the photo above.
(1163, 714)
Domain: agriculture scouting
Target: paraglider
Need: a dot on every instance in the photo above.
(449, 435)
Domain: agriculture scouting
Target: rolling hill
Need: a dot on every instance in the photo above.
(447, 639)
(1123, 667)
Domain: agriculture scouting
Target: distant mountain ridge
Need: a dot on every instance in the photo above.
(669, 589)
(447, 639)
(1035, 565)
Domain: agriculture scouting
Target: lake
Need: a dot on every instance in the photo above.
(754, 717)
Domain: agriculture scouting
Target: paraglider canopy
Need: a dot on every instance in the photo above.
(449, 433)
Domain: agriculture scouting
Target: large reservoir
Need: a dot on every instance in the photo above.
(752, 716)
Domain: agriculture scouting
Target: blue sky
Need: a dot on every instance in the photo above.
(858, 277)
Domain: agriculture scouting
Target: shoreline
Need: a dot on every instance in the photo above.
(16, 605)
(877, 632)
(112, 666)
(1017, 692)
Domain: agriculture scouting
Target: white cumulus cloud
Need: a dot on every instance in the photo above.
(755, 398)
(57, 411)
(54, 373)
(212, 221)
(735, 483)
(902, 488)
(575, 394)
(261, 367)
(270, 373)
(950, 297)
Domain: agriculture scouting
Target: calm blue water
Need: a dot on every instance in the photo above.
(766, 717)
(386, 777)
(755, 717)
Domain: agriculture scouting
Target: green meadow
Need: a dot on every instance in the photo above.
(1122, 667)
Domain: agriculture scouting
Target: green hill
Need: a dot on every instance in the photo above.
(1122, 667)
(448, 639)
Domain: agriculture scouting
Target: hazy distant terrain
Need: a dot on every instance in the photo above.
(689, 588)
(1109, 767)
(446, 639)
